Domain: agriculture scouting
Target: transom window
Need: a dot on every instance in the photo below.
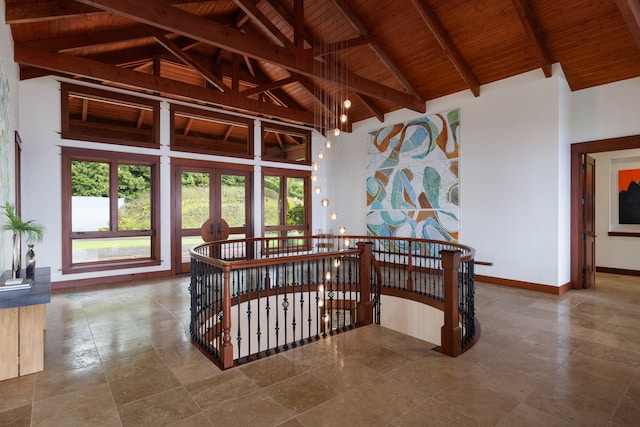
(203, 131)
(90, 114)
(110, 210)
(285, 144)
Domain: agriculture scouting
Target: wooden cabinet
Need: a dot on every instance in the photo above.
(22, 325)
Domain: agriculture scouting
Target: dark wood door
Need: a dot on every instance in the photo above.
(589, 222)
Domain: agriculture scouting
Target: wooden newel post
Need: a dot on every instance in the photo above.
(450, 333)
(226, 353)
(365, 306)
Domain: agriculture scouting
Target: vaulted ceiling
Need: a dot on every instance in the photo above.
(297, 60)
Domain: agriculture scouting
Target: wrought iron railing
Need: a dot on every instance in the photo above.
(255, 297)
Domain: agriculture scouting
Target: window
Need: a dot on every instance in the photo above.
(203, 131)
(110, 210)
(90, 114)
(286, 196)
(286, 144)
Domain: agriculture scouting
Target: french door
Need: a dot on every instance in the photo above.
(211, 200)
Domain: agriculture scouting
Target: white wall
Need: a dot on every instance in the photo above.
(509, 175)
(606, 111)
(613, 251)
(11, 73)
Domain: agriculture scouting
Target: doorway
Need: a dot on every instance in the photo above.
(212, 193)
(581, 276)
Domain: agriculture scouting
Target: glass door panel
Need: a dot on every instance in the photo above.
(214, 196)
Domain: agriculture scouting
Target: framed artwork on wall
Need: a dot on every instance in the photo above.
(624, 218)
(412, 178)
(629, 196)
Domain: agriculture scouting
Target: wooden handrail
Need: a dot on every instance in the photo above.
(449, 268)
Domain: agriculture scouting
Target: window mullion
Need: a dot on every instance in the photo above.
(113, 196)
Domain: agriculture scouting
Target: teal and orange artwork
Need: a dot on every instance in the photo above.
(412, 182)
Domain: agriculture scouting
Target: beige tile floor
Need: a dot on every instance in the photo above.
(121, 356)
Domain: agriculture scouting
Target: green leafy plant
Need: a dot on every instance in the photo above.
(33, 230)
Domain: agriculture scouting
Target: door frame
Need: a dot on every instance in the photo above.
(577, 186)
(177, 164)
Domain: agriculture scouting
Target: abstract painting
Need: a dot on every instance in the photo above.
(412, 179)
(629, 196)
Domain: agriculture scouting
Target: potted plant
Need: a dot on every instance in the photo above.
(33, 230)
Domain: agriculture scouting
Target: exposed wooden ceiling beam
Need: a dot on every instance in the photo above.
(227, 133)
(269, 86)
(35, 11)
(301, 35)
(338, 46)
(169, 18)
(362, 29)
(187, 127)
(140, 119)
(85, 109)
(279, 139)
(67, 44)
(534, 37)
(310, 39)
(446, 44)
(184, 57)
(630, 10)
(288, 18)
(372, 107)
(261, 21)
(74, 65)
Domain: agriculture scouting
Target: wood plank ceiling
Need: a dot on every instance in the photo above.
(284, 58)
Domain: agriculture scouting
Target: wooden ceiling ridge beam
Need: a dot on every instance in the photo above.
(74, 65)
(37, 11)
(630, 10)
(446, 44)
(362, 29)
(524, 13)
(186, 58)
(252, 11)
(172, 19)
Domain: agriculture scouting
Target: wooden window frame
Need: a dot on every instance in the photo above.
(68, 235)
(266, 126)
(108, 136)
(283, 229)
(212, 116)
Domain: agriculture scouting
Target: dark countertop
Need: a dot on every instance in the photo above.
(40, 292)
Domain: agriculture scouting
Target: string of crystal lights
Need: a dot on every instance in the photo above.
(332, 103)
